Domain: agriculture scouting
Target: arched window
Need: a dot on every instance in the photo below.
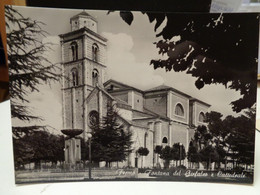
(179, 110)
(145, 139)
(201, 117)
(95, 50)
(95, 76)
(74, 50)
(165, 140)
(74, 77)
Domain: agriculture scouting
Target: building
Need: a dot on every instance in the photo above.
(157, 116)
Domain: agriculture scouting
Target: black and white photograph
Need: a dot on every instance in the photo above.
(132, 96)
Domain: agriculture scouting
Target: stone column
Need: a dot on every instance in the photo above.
(157, 137)
(150, 125)
(100, 105)
(72, 151)
(186, 145)
(73, 105)
(170, 133)
(131, 156)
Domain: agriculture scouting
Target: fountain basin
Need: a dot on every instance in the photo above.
(72, 132)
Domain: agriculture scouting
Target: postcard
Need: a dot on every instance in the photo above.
(128, 96)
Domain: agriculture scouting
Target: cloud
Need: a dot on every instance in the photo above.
(123, 66)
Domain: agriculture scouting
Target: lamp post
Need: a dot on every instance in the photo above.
(180, 152)
(89, 155)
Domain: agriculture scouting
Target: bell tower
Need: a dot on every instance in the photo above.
(83, 19)
(83, 53)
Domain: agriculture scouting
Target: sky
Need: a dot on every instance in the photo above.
(129, 51)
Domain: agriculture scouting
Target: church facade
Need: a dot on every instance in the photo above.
(158, 116)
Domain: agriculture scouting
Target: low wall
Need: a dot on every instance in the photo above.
(78, 175)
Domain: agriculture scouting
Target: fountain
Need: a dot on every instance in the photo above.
(72, 150)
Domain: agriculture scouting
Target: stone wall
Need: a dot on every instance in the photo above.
(68, 82)
(156, 102)
(67, 108)
(184, 102)
(138, 101)
(198, 108)
(138, 141)
(89, 67)
(89, 40)
(121, 95)
(180, 134)
(67, 51)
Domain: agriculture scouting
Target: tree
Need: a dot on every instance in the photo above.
(193, 154)
(57, 145)
(215, 125)
(202, 136)
(222, 156)
(84, 147)
(176, 152)
(158, 150)
(167, 155)
(28, 65)
(23, 153)
(208, 155)
(110, 141)
(142, 152)
(220, 130)
(241, 139)
(38, 146)
(179, 152)
(214, 48)
(209, 144)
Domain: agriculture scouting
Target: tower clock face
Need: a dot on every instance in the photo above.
(93, 118)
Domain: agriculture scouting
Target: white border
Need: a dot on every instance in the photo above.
(8, 186)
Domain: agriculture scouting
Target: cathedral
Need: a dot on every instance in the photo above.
(158, 116)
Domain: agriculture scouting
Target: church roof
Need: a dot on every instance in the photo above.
(166, 88)
(76, 32)
(95, 90)
(122, 85)
(83, 13)
(160, 87)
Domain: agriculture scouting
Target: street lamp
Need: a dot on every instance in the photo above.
(89, 135)
(180, 152)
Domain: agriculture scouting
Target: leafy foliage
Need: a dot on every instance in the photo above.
(209, 155)
(38, 146)
(110, 141)
(241, 139)
(158, 149)
(28, 65)
(167, 153)
(202, 136)
(143, 151)
(229, 137)
(214, 48)
(193, 154)
(127, 16)
(176, 152)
